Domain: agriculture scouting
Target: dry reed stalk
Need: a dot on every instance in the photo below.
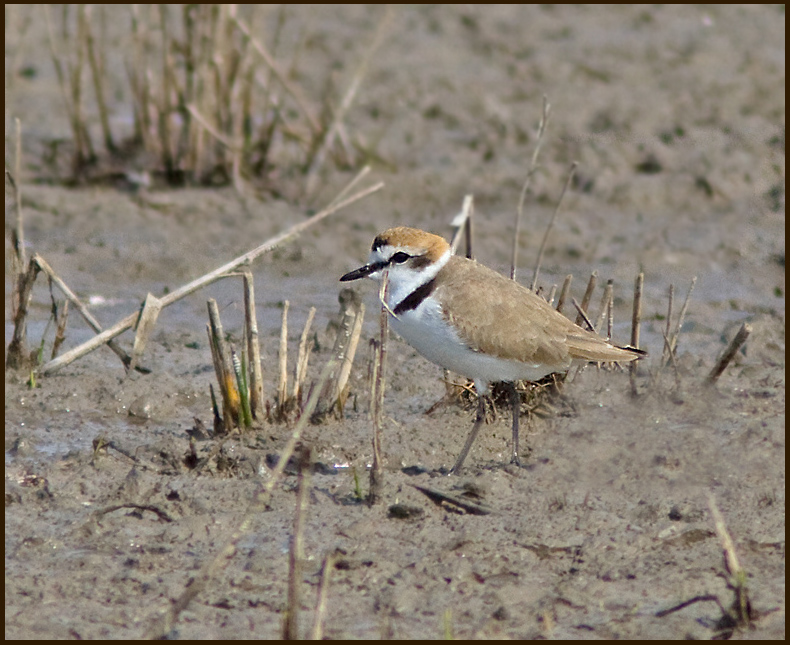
(70, 87)
(281, 76)
(582, 316)
(636, 319)
(302, 357)
(462, 224)
(173, 296)
(727, 356)
(673, 339)
(566, 289)
(253, 346)
(587, 297)
(82, 309)
(533, 166)
(17, 353)
(96, 64)
(296, 552)
(571, 173)
(350, 304)
(223, 368)
(742, 605)
(667, 331)
(160, 627)
(610, 316)
(327, 565)
(377, 469)
(282, 384)
(552, 294)
(327, 137)
(145, 325)
(607, 296)
(60, 332)
(20, 254)
(341, 388)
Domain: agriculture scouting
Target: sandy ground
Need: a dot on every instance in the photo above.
(676, 116)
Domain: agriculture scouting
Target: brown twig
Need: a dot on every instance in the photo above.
(302, 357)
(673, 340)
(607, 296)
(323, 593)
(462, 223)
(571, 173)
(636, 319)
(670, 303)
(82, 309)
(282, 383)
(533, 166)
(377, 469)
(341, 390)
(587, 295)
(253, 347)
(582, 316)
(566, 289)
(727, 356)
(296, 552)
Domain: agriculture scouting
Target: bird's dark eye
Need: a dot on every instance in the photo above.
(400, 257)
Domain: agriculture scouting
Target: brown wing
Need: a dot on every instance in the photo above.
(507, 320)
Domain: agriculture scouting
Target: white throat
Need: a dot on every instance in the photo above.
(404, 280)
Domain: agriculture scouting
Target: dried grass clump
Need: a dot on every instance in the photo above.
(213, 90)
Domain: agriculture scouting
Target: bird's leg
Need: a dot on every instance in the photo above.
(516, 401)
(479, 420)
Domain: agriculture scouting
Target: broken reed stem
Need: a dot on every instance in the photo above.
(377, 470)
(81, 308)
(636, 319)
(610, 315)
(348, 360)
(732, 349)
(459, 224)
(571, 173)
(16, 180)
(17, 354)
(303, 356)
(582, 316)
(566, 289)
(253, 346)
(533, 165)
(669, 324)
(587, 297)
(673, 340)
(223, 368)
(170, 298)
(323, 594)
(60, 332)
(282, 386)
(732, 564)
(296, 552)
(160, 627)
(607, 295)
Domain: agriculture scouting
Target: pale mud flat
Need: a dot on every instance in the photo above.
(677, 118)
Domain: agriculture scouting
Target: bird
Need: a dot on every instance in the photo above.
(473, 321)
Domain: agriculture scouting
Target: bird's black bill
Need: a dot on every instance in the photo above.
(363, 272)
